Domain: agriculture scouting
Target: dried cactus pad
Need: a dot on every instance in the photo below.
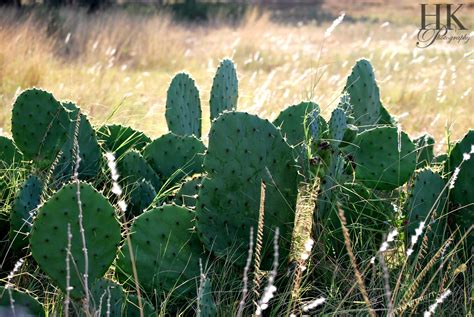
(166, 251)
(49, 238)
(183, 107)
(39, 125)
(245, 150)
(379, 164)
(225, 89)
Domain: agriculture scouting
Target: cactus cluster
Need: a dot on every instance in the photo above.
(173, 202)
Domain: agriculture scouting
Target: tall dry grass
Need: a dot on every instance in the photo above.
(123, 61)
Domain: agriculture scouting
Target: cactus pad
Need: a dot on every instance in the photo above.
(39, 125)
(8, 152)
(23, 304)
(186, 196)
(379, 165)
(105, 292)
(225, 89)
(49, 237)
(141, 196)
(89, 150)
(134, 168)
(173, 156)
(424, 150)
(426, 202)
(243, 151)
(183, 107)
(23, 210)
(296, 120)
(132, 309)
(365, 96)
(207, 306)
(119, 139)
(166, 251)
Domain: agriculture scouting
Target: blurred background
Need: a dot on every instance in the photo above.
(116, 58)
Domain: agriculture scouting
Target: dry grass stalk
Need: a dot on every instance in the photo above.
(259, 244)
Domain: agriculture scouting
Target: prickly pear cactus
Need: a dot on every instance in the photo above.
(134, 168)
(463, 193)
(24, 208)
(173, 156)
(426, 202)
(120, 139)
(107, 298)
(49, 235)
(365, 96)
(183, 107)
(424, 150)
(141, 195)
(86, 144)
(385, 158)
(166, 252)
(296, 121)
(186, 195)
(225, 89)
(206, 305)
(39, 125)
(245, 150)
(23, 304)
(9, 153)
(132, 308)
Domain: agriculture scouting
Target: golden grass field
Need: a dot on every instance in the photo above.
(118, 65)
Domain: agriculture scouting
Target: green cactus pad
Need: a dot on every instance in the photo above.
(166, 251)
(225, 89)
(9, 153)
(183, 107)
(243, 151)
(24, 207)
(337, 126)
(365, 96)
(89, 150)
(39, 125)
(49, 238)
(427, 196)
(134, 168)
(23, 304)
(173, 156)
(292, 121)
(103, 293)
(141, 195)
(379, 165)
(207, 306)
(186, 195)
(119, 139)
(132, 309)
(424, 150)
(463, 192)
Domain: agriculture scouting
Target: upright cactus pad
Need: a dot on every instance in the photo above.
(107, 298)
(23, 304)
(245, 150)
(86, 144)
(119, 139)
(49, 235)
(206, 305)
(225, 89)
(424, 150)
(379, 164)
(134, 168)
(173, 156)
(39, 125)
(426, 202)
(183, 107)
(463, 192)
(166, 251)
(141, 196)
(295, 121)
(365, 96)
(21, 216)
(186, 195)
(9, 153)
